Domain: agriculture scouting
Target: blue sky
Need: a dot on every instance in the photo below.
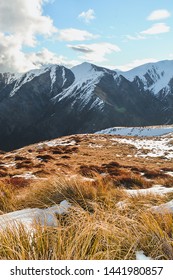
(115, 34)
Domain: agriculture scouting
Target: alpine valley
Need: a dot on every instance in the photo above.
(55, 101)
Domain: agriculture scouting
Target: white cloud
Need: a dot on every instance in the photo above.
(25, 19)
(95, 52)
(159, 14)
(13, 58)
(157, 28)
(134, 63)
(72, 34)
(20, 23)
(46, 57)
(87, 16)
(136, 37)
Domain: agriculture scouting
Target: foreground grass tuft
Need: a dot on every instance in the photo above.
(104, 222)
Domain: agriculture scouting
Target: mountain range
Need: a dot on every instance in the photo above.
(55, 101)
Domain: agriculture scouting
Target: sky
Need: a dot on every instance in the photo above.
(117, 34)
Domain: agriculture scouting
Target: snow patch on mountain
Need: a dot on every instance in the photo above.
(155, 76)
(9, 77)
(53, 75)
(86, 78)
(63, 76)
(30, 75)
(148, 131)
(25, 78)
(86, 72)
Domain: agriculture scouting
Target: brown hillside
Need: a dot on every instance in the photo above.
(85, 157)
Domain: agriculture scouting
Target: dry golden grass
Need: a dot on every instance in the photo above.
(94, 152)
(7, 198)
(104, 222)
(96, 226)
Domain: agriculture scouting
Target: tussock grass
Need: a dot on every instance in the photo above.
(96, 226)
(7, 198)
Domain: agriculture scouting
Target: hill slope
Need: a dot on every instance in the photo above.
(80, 191)
(88, 197)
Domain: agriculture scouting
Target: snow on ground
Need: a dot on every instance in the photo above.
(88, 179)
(27, 175)
(95, 146)
(168, 207)
(79, 178)
(57, 142)
(140, 256)
(121, 205)
(157, 147)
(147, 131)
(10, 164)
(156, 189)
(31, 216)
(170, 173)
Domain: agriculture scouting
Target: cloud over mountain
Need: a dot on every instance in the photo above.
(95, 52)
(20, 23)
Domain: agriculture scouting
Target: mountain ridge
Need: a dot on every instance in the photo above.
(155, 76)
(56, 101)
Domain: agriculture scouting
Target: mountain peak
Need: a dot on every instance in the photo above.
(55, 101)
(55, 72)
(84, 71)
(88, 71)
(155, 76)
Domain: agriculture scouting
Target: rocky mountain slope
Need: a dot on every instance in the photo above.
(156, 77)
(55, 101)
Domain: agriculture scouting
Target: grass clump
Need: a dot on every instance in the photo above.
(7, 198)
(95, 227)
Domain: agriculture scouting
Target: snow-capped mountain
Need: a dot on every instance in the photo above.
(56, 77)
(87, 76)
(54, 101)
(156, 77)
(8, 78)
